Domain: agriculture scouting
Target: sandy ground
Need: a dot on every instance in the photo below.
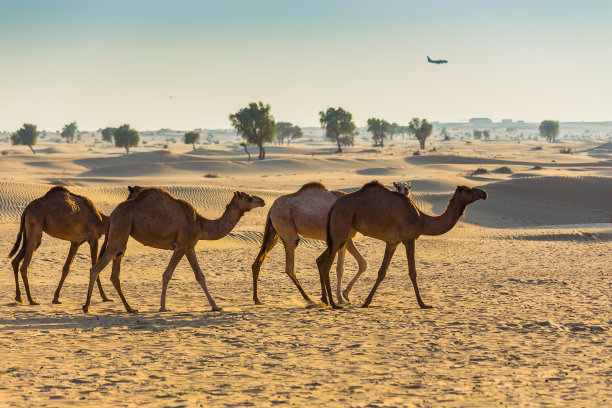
(520, 288)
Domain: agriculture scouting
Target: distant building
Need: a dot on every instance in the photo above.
(480, 122)
(506, 122)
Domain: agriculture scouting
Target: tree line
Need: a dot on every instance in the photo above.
(256, 125)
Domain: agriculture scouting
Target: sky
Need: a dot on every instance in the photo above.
(187, 64)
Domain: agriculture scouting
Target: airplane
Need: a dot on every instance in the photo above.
(436, 61)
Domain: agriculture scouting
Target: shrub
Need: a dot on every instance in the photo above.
(566, 150)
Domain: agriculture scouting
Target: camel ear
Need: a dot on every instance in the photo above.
(131, 189)
(395, 184)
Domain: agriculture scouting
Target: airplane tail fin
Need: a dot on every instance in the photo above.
(428, 59)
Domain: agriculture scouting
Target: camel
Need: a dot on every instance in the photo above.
(63, 215)
(157, 219)
(304, 214)
(380, 213)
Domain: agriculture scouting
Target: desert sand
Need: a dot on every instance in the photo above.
(520, 287)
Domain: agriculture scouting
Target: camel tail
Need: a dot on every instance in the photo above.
(328, 237)
(20, 235)
(269, 236)
(103, 249)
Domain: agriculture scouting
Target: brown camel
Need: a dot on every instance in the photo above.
(62, 215)
(157, 219)
(380, 213)
(304, 214)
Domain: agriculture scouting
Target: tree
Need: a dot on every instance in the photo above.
(296, 133)
(421, 129)
(245, 149)
(68, 132)
(107, 134)
(549, 129)
(27, 135)
(283, 131)
(486, 134)
(403, 130)
(477, 134)
(126, 137)
(255, 124)
(379, 129)
(192, 138)
(394, 129)
(444, 134)
(336, 122)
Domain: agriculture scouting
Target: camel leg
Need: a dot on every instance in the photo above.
(193, 261)
(176, 257)
(74, 247)
(266, 246)
(382, 272)
(111, 254)
(33, 242)
(363, 265)
(116, 280)
(93, 250)
(15, 262)
(339, 273)
(290, 245)
(324, 262)
(410, 245)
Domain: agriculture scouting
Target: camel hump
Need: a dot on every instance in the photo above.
(374, 184)
(58, 189)
(147, 192)
(311, 185)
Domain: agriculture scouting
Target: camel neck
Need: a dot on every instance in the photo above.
(441, 224)
(217, 229)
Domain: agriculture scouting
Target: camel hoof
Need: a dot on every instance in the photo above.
(217, 309)
(56, 302)
(337, 307)
(85, 309)
(34, 303)
(163, 309)
(365, 305)
(107, 300)
(19, 301)
(424, 306)
(345, 295)
(258, 302)
(324, 300)
(130, 310)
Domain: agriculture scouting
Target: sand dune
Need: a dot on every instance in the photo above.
(520, 287)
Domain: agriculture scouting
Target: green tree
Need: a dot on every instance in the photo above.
(283, 131)
(486, 134)
(192, 138)
(68, 132)
(107, 134)
(126, 137)
(394, 129)
(403, 130)
(379, 129)
(245, 149)
(255, 124)
(296, 133)
(337, 123)
(421, 129)
(549, 129)
(477, 134)
(27, 135)
(444, 134)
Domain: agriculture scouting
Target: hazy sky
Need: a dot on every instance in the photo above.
(187, 64)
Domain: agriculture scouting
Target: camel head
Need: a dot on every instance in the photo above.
(134, 191)
(246, 202)
(468, 195)
(402, 187)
